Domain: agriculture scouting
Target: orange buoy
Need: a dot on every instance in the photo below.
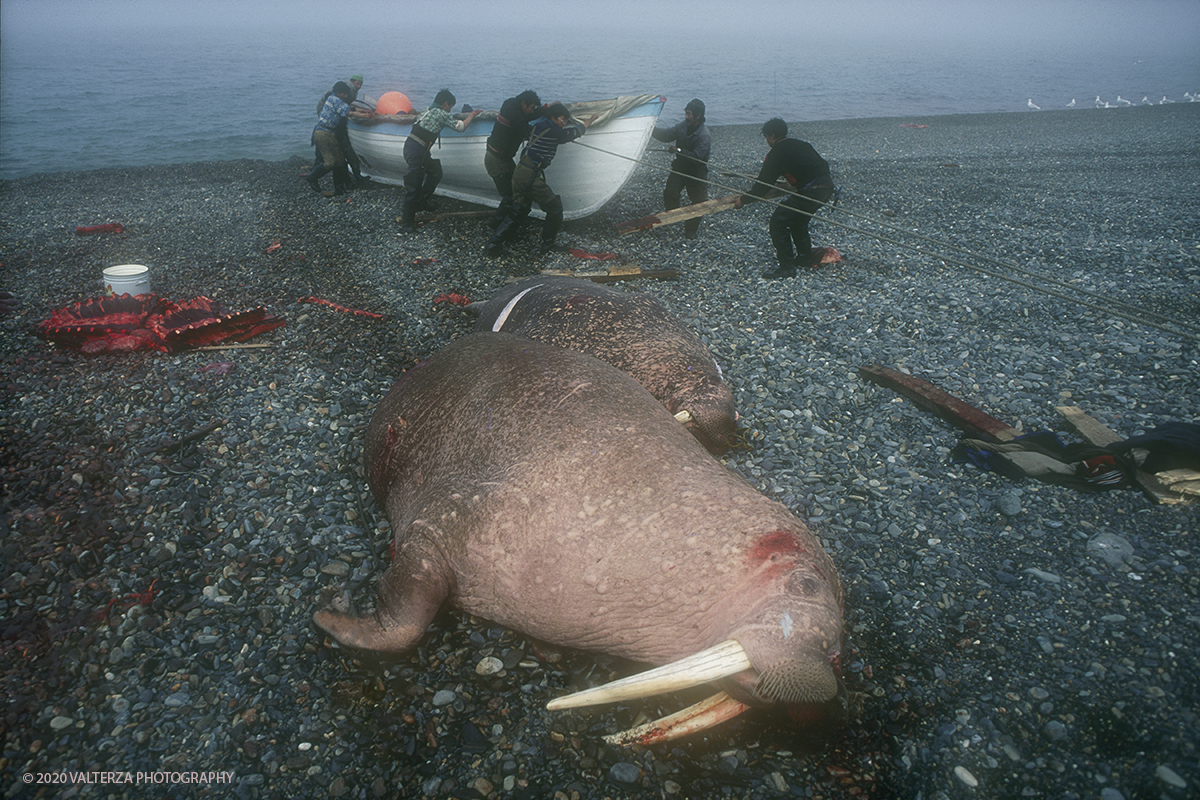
(393, 103)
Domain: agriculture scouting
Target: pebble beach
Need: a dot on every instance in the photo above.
(1004, 638)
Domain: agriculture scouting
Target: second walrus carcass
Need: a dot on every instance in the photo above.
(547, 491)
(632, 331)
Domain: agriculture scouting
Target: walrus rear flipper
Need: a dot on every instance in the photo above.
(410, 594)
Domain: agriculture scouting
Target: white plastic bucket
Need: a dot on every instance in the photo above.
(126, 279)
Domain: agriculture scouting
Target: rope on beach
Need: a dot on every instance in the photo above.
(1105, 304)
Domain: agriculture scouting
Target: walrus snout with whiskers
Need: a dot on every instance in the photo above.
(707, 410)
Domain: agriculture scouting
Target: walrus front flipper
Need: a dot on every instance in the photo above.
(410, 594)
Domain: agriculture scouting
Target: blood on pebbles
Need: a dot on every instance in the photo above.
(1005, 639)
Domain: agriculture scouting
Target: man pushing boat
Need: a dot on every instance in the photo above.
(509, 132)
(529, 179)
(425, 172)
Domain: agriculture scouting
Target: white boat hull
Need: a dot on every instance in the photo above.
(585, 173)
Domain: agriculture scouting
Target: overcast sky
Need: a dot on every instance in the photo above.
(813, 22)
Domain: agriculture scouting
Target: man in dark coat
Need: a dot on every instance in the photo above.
(509, 132)
(689, 170)
(555, 127)
(810, 186)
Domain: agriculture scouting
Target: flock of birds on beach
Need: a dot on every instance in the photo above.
(1120, 102)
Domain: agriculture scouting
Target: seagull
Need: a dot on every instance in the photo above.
(1100, 103)
(1191, 98)
(1146, 101)
(1123, 101)
(1072, 103)
(1029, 103)
(1165, 100)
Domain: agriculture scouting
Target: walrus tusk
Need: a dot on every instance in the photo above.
(719, 661)
(684, 416)
(705, 714)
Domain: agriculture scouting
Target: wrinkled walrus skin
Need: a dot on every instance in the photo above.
(634, 332)
(549, 492)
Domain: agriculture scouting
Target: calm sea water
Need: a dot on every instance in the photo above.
(94, 97)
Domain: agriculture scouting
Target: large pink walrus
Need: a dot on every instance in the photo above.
(548, 491)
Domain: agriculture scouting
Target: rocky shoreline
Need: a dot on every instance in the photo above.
(1005, 639)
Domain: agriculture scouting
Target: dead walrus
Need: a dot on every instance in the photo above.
(634, 332)
(547, 491)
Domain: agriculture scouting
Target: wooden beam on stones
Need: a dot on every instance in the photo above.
(425, 216)
(1098, 434)
(691, 212)
(958, 413)
(677, 215)
(622, 272)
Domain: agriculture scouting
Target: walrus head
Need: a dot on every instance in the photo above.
(782, 650)
(709, 414)
(797, 683)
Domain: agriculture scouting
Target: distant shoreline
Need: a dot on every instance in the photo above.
(798, 126)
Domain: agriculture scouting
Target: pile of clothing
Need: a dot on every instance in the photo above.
(1041, 455)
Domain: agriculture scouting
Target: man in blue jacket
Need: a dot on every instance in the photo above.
(811, 186)
(333, 113)
(689, 170)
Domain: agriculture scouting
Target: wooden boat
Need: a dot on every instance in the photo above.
(585, 173)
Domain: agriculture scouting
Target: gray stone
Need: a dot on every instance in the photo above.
(1009, 504)
(1114, 550)
(624, 772)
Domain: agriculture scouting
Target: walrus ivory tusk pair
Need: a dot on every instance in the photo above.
(720, 661)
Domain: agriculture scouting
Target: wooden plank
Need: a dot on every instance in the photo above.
(427, 217)
(945, 405)
(690, 212)
(677, 215)
(244, 346)
(1091, 429)
(1100, 435)
(625, 272)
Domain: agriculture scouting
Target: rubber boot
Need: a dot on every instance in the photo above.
(433, 176)
(553, 224)
(506, 207)
(314, 177)
(784, 270)
(495, 245)
(341, 180)
(412, 193)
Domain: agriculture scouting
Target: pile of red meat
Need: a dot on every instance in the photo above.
(148, 322)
